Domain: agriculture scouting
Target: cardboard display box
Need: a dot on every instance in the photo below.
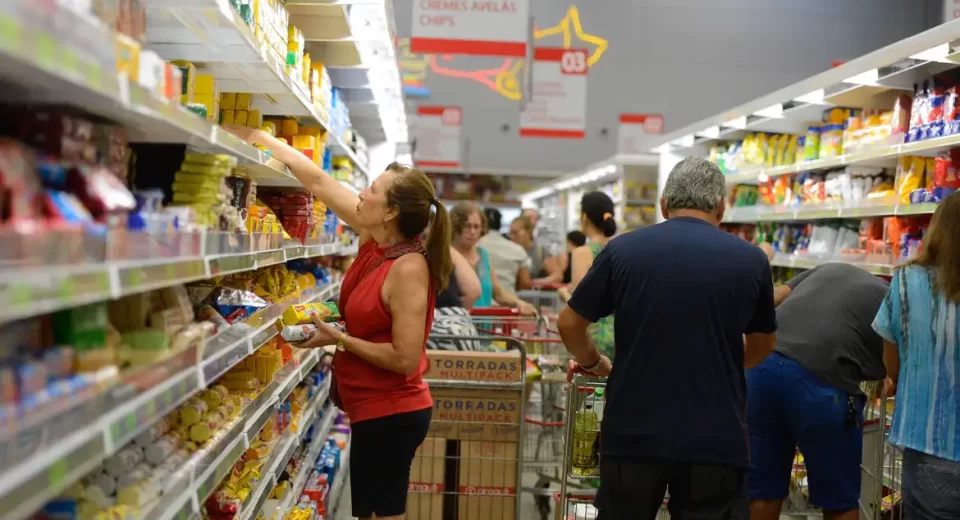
(487, 483)
(427, 473)
(501, 367)
(493, 415)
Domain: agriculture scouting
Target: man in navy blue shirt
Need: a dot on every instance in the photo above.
(694, 307)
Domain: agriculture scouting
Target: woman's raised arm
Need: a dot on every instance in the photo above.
(322, 185)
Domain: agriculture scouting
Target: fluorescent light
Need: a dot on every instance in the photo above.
(815, 97)
(611, 168)
(738, 122)
(938, 54)
(711, 132)
(685, 141)
(869, 77)
(772, 111)
(763, 177)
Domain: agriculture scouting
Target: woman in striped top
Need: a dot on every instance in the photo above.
(918, 321)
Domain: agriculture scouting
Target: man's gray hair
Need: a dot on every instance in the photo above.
(696, 184)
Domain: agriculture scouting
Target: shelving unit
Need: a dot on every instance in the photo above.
(52, 55)
(871, 82)
(621, 177)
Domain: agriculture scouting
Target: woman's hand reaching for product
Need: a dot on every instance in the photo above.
(248, 134)
(326, 335)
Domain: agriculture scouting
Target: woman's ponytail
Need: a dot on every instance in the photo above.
(438, 247)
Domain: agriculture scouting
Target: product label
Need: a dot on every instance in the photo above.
(475, 410)
(439, 137)
(558, 104)
(474, 369)
(635, 130)
(488, 490)
(425, 487)
(477, 27)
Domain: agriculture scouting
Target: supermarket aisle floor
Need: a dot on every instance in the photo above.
(343, 511)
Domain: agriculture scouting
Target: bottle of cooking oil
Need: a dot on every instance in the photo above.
(584, 435)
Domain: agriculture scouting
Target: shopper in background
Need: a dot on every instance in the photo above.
(550, 239)
(452, 315)
(685, 293)
(918, 321)
(807, 393)
(467, 222)
(387, 299)
(521, 233)
(563, 271)
(599, 226)
(509, 260)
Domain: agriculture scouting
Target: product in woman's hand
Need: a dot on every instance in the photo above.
(303, 313)
(298, 333)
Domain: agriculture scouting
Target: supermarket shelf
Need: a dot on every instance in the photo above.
(810, 261)
(336, 489)
(319, 439)
(751, 214)
(880, 156)
(47, 454)
(871, 80)
(29, 291)
(43, 66)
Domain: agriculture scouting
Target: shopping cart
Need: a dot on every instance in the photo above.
(470, 466)
(582, 417)
(882, 467)
(542, 448)
(544, 298)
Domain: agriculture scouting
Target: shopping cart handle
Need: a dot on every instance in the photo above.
(494, 311)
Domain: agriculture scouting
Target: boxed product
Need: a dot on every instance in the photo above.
(476, 414)
(474, 366)
(427, 472)
(487, 480)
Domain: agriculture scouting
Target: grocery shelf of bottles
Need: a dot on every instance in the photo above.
(845, 166)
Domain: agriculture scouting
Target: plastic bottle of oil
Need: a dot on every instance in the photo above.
(584, 435)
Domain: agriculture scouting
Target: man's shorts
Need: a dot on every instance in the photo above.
(788, 407)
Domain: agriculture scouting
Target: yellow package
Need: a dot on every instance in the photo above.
(228, 101)
(227, 116)
(206, 84)
(302, 313)
(790, 152)
(269, 127)
(289, 127)
(240, 117)
(128, 57)
(771, 150)
(244, 100)
(930, 173)
(192, 412)
(912, 178)
(254, 118)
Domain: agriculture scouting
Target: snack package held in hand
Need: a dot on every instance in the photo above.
(302, 313)
(298, 333)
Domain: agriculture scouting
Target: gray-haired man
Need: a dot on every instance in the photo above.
(694, 307)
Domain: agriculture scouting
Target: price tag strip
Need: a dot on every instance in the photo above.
(749, 214)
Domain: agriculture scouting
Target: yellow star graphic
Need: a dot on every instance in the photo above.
(506, 80)
(570, 26)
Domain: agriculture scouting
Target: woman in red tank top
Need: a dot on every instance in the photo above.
(387, 300)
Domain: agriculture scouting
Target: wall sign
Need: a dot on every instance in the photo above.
(635, 130)
(477, 27)
(558, 104)
(439, 134)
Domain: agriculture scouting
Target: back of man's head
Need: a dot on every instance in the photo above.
(694, 186)
(494, 219)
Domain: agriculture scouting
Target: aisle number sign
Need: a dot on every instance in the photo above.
(558, 103)
(635, 131)
(477, 27)
(439, 134)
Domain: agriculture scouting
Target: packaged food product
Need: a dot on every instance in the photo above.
(302, 313)
(811, 147)
(203, 430)
(193, 411)
(298, 333)
(124, 461)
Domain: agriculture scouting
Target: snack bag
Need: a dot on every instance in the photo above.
(299, 314)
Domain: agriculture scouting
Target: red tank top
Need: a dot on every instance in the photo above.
(368, 391)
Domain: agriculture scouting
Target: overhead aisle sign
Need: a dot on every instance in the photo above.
(477, 27)
(558, 102)
(635, 130)
(439, 137)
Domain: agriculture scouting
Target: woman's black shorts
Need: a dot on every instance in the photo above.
(381, 452)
